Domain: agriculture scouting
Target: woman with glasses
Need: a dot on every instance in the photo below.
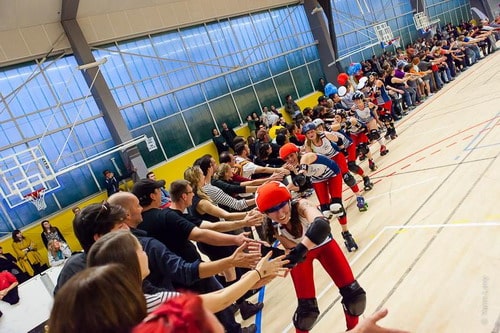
(305, 233)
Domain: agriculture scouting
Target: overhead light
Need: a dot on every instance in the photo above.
(317, 9)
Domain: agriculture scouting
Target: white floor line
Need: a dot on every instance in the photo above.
(392, 227)
(399, 189)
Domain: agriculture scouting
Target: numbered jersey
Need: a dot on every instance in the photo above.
(322, 169)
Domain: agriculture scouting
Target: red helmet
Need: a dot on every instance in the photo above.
(270, 195)
(287, 149)
(342, 79)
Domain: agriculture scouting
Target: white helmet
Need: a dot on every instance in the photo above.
(342, 91)
(362, 83)
(318, 122)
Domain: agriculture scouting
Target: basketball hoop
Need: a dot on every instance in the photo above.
(37, 198)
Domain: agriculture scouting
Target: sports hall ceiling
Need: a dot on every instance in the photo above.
(30, 28)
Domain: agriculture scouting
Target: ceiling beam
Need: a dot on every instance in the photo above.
(69, 9)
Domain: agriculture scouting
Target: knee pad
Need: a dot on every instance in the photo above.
(353, 299)
(363, 148)
(352, 166)
(386, 118)
(306, 314)
(338, 201)
(373, 135)
(349, 179)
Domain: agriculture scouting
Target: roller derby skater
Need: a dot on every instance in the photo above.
(306, 234)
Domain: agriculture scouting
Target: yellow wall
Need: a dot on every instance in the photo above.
(170, 171)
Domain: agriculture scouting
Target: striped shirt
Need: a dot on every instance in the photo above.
(219, 197)
(155, 300)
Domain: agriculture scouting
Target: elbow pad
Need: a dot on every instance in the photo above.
(318, 230)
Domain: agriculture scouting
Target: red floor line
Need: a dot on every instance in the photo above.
(432, 145)
(406, 166)
(436, 151)
(451, 144)
(422, 158)
(468, 137)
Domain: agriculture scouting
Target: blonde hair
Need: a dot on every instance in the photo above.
(222, 170)
(50, 246)
(193, 175)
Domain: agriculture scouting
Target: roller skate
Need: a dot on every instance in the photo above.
(367, 183)
(383, 150)
(361, 203)
(372, 165)
(362, 157)
(349, 241)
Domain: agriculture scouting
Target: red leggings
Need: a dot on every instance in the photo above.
(329, 191)
(335, 264)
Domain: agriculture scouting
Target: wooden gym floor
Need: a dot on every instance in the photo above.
(429, 243)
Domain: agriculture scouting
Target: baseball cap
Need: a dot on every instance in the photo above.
(144, 187)
(271, 195)
(287, 149)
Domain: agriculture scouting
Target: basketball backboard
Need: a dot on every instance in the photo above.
(23, 173)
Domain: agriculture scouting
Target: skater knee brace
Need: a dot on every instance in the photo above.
(353, 299)
(349, 179)
(363, 148)
(318, 230)
(373, 135)
(352, 166)
(306, 314)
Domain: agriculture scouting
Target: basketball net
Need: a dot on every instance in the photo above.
(37, 198)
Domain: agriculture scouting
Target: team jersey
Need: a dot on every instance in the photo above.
(326, 148)
(365, 115)
(322, 169)
(380, 94)
(296, 240)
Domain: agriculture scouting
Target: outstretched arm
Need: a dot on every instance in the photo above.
(369, 324)
(266, 270)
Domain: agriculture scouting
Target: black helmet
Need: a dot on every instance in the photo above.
(358, 95)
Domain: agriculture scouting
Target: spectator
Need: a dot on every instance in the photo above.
(98, 299)
(269, 118)
(174, 229)
(165, 196)
(76, 210)
(252, 127)
(219, 141)
(9, 263)
(57, 252)
(229, 134)
(112, 182)
(291, 107)
(49, 232)
(28, 257)
(94, 221)
(8, 288)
